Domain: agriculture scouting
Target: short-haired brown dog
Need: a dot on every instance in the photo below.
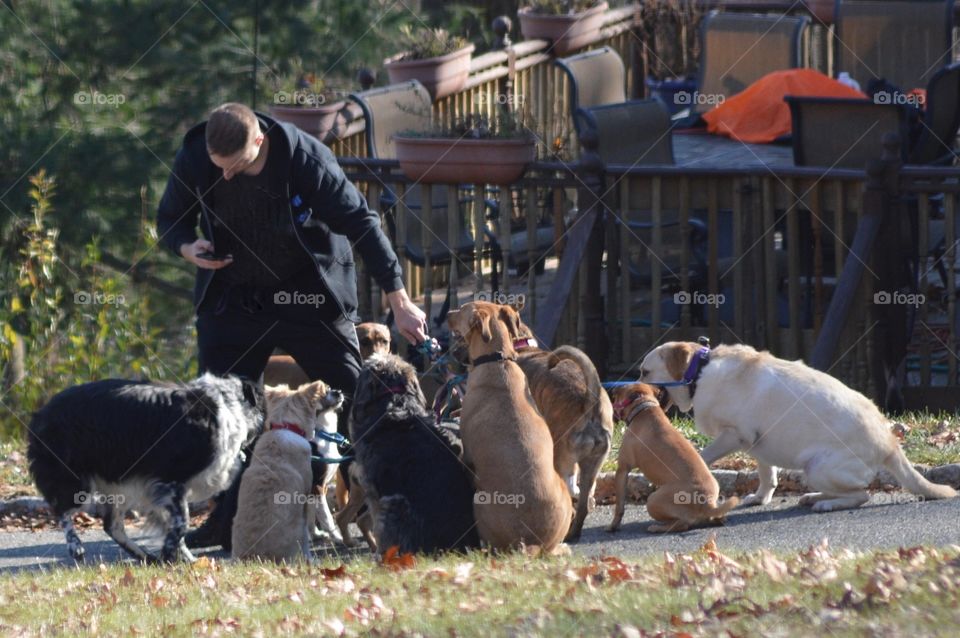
(565, 385)
(687, 493)
(520, 498)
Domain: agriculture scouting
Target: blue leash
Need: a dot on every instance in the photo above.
(333, 437)
(330, 459)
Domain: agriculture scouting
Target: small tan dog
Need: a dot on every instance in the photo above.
(687, 493)
(276, 507)
(520, 499)
(565, 385)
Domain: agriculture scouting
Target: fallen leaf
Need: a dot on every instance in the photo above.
(330, 574)
(203, 563)
(128, 579)
(394, 561)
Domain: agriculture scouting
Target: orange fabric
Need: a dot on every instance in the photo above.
(759, 115)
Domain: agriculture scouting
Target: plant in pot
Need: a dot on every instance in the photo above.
(440, 61)
(474, 150)
(312, 106)
(568, 24)
(672, 30)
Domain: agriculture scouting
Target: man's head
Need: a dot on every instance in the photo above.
(234, 138)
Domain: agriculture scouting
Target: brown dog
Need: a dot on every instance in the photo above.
(566, 387)
(686, 492)
(520, 499)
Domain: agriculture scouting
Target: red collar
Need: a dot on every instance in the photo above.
(286, 425)
(526, 342)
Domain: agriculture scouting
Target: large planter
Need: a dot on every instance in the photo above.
(567, 33)
(324, 122)
(441, 76)
(433, 160)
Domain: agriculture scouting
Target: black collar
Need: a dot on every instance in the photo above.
(491, 358)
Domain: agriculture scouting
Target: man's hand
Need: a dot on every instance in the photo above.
(411, 321)
(190, 252)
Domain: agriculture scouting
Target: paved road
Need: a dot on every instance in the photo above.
(782, 525)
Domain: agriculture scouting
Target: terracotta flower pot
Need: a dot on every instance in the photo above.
(822, 10)
(464, 161)
(566, 32)
(441, 76)
(323, 122)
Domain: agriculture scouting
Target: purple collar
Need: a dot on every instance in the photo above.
(699, 361)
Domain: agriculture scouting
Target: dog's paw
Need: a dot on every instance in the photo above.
(809, 499)
(823, 506)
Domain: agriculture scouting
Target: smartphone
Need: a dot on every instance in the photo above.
(212, 256)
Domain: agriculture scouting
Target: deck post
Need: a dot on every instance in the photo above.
(589, 199)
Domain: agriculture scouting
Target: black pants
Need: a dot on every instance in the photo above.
(240, 342)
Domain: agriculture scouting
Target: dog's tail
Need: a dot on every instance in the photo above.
(589, 373)
(720, 509)
(912, 480)
(398, 525)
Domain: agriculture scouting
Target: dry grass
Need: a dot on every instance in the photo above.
(906, 592)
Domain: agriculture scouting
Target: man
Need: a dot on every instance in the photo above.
(275, 265)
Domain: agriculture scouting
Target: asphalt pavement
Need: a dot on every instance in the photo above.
(887, 521)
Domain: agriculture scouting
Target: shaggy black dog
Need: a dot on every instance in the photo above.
(111, 446)
(420, 492)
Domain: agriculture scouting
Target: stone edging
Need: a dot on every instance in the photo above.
(741, 483)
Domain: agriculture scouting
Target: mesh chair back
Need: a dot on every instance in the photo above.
(737, 49)
(634, 133)
(596, 77)
(842, 133)
(390, 110)
(941, 119)
(901, 41)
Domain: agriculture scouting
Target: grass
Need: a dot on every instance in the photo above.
(930, 439)
(909, 591)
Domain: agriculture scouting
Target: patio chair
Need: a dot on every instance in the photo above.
(902, 41)
(737, 49)
(936, 143)
(843, 133)
(639, 133)
(388, 111)
(595, 77)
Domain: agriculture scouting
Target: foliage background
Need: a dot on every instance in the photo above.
(98, 94)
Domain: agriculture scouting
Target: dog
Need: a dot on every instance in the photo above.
(687, 493)
(567, 390)
(115, 445)
(276, 506)
(521, 499)
(785, 414)
(417, 488)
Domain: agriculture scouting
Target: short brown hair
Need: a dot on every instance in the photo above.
(230, 128)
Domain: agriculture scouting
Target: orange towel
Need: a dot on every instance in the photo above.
(759, 115)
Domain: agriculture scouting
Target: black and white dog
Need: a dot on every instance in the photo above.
(419, 492)
(111, 446)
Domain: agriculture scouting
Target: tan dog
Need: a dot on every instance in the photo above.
(276, 507)
(786, 414)
(687, 493)
(566, 387)
(520, 500)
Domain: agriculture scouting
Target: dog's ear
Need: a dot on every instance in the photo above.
(511, 319)
(663, 397)
(253, 392)
(315, 392)
(480, 320)
(676, 358)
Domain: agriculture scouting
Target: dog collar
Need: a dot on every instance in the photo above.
(697, 364)
(491, 358)
(286, 425)
(645, 405)
(526, 342)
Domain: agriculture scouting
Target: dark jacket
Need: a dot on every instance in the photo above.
(327, 212)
